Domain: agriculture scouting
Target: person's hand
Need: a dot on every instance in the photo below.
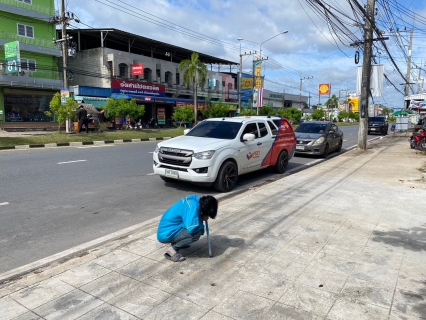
(204, 217)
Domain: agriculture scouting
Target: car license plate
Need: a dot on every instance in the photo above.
(300, 147)
(172, 173)
(373, 129)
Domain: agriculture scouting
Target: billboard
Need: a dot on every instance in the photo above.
(12, 57)
(137, 70)
(137, 88)
(324, 88)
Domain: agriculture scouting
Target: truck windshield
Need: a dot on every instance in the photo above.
(216, 129)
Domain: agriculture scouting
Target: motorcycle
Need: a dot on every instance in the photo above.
(418, 140)
(153, 123)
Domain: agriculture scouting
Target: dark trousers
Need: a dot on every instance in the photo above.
(184, 238)
(80, 125)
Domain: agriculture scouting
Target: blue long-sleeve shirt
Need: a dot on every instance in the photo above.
(184, 214)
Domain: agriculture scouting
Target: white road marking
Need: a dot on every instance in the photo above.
(4, 203)
(151, 152)
(151, 174)
(71, 161)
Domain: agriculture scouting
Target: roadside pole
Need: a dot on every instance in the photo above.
(366, 73)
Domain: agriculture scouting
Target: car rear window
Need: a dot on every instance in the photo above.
(216, 129)
(310, 127)
(377, 119)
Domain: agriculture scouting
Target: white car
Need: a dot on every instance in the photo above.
(218, 150)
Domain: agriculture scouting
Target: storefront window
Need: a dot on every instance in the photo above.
(27, 107)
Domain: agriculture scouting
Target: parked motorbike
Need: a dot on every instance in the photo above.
(418, 140)
(153, 123)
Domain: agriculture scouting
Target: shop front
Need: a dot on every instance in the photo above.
(26, 105)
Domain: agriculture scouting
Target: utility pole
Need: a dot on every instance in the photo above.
(63, 20)
(407, 78)
(240, 76)
(300, 89)
(366, 74)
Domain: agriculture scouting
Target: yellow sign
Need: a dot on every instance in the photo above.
(258, 70)
(354, 104)
(246, 83)
(259, 82)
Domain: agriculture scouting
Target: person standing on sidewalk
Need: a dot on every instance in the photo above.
(82, 119)
(183, 224)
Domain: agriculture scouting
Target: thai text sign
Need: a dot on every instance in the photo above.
(324, 88)
(137, 70)
(137, 88)
(12, 57)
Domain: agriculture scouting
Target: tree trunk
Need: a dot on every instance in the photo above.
(195, 105)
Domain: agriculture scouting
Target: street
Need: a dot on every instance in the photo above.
(55, 199)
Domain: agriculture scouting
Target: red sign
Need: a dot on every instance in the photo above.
(324, 88)
(137, 70)
(137, 88)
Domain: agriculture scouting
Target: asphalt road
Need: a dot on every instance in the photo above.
(52, 199)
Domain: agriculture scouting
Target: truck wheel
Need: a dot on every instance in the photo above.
(227, 177)
(282, 163)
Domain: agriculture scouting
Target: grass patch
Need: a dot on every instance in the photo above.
(60, 137)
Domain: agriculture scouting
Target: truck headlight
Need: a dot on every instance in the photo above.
(205, 155)
(318, 141)
(157, 149)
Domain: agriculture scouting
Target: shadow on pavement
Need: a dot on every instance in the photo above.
(414, 239)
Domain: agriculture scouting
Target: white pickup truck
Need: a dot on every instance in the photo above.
(218, 150)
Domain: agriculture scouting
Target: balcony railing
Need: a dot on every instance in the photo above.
(31, 41)
(32, 7)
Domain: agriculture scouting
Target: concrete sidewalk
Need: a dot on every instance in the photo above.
(345, 239)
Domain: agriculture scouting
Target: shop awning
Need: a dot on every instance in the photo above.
(90, 108)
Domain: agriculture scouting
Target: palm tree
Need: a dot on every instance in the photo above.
(195, 73)
(332, 102)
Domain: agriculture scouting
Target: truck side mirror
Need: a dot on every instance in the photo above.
(249, 137)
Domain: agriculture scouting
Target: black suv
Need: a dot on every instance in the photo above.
(378, 125)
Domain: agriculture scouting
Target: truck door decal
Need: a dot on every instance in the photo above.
(284, 140)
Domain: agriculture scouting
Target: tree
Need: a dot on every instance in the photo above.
(216, 110)
(122, 107)
(247, 112)
(292, 114)
(318, 114)
(183, 114)
(332, 103)
(62, 112)
(195, 73)
(354, 116)
(267, 111)
(343, 115)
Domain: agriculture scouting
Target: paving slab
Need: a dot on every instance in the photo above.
(344, 239)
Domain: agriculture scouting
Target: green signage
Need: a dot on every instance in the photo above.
(12, 56)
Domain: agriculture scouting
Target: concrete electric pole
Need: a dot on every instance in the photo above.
(63, 20)
(407, 78)
(366, 74)
(300, 90)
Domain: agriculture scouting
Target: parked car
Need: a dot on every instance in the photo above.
(318, 138)
(378, 125)
(218, 150)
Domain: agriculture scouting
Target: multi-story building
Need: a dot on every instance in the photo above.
(107, 58)
(25, 93)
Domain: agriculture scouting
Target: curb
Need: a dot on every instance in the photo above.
(78, 144)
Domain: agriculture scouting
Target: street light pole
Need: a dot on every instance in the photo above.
(260, 58)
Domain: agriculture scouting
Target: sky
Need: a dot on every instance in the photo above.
(312, 50)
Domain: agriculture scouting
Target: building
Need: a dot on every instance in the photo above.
(29, 80)
(279, 100)
(143, 69)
